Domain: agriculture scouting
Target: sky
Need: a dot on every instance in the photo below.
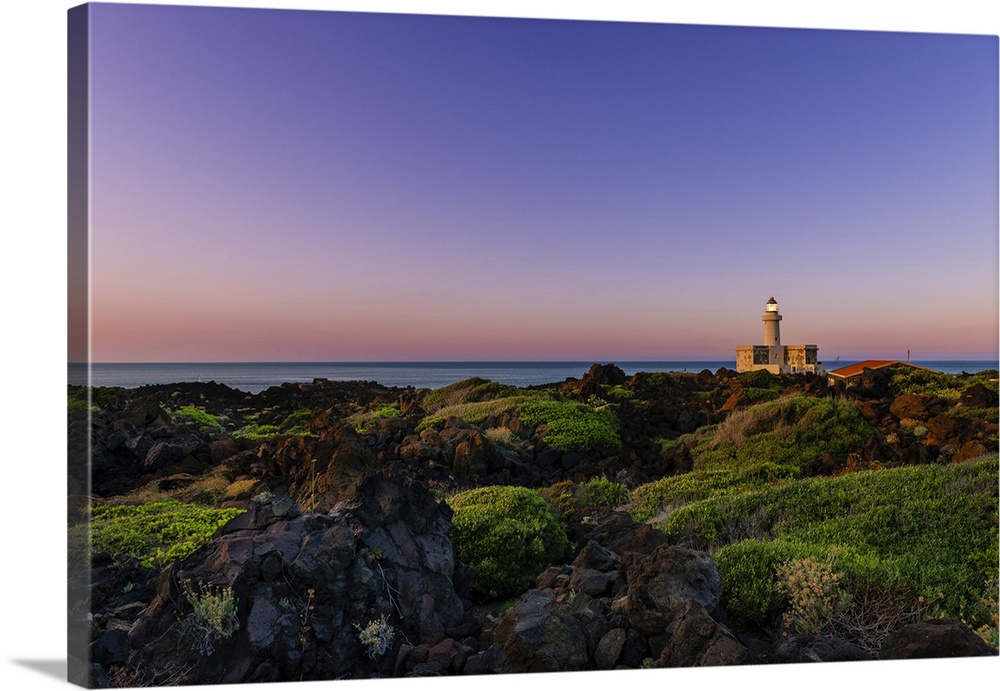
(33, 276)
(273, 185)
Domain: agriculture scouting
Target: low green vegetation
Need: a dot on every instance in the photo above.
(654, 498)
(906, 379)
(759, 378)
(502, 436)
(793, 431)
(155, 533)
(365, 422)
(927, 533)
(570, 425)
(508, 534)
(477, 412)
(295, 424)
(757, 394)
(255, 431)
(473, 390)
(96, 396)
(600, 492)
(296, 420)
(619, 391)
(198, 416)
(567, 498)
(654, 380)
(77, 403)
(214, 608)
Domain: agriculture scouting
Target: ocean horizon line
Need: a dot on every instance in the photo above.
(498, 362)
(257, 376)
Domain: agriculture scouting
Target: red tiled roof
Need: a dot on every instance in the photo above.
(859, 367)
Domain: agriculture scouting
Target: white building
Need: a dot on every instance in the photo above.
(774, 357)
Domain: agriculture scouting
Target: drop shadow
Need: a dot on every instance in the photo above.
(50, 668)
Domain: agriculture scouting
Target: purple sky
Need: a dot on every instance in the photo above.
(280, 185)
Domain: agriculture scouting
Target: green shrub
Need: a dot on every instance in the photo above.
(654, 380)
(296, 420)
(96, 396)
(760, 395)
(569, 425)
(376, 637)
(76, 404)
(254, 431)
(927, 529)
(508, 534)
(814, 594)
(214, 611)
(619, 391)
(675, 491)
(791, 431)
(431, 422)
(904, 379)
(156, 533)
(198, 416)
(503, 437)
(476, 412)
(759, 379)
(600, 492)
(473, 390)
(367, 421)
(572, 426)
(749, 592)
(567, 497)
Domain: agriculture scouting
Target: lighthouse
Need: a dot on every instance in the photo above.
(772, 334)
(774, 357)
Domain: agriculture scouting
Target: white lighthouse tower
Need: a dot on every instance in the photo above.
(774, 357)
(772, 334)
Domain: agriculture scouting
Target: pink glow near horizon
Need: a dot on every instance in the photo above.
(321, 187)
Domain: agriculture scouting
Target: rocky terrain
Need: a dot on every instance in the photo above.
(341, 563)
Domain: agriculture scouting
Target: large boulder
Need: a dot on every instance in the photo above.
(911, 406)
(163, 454)
(695, 639)
(598, 377)
(801, 648)
(944, 427)
(934, 638)
(541, 635)
(662, 584)
(312, 596)
(978, 396)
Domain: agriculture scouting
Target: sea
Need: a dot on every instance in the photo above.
(254, 377)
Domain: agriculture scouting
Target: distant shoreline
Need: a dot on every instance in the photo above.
(254, 377)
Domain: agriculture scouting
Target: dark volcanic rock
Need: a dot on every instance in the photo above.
(599, 376)
(872, 383)
(970, 450)
(944, 427)
(912, 406)
(934, 638)
(163, 454)
(978, 396)
(304, 583)
(697, 640)
(609, 648)
(540, 635)
(799, 648)
(595, 556)
(662, 584)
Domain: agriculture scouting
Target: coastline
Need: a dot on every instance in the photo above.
(254, 377)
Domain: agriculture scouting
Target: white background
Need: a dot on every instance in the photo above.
(33, 332)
